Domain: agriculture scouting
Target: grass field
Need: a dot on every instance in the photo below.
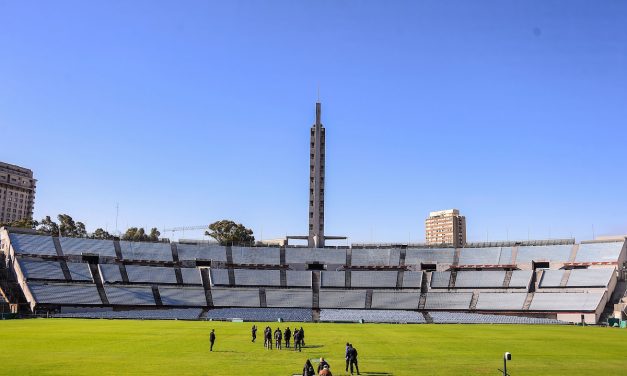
(103, 347)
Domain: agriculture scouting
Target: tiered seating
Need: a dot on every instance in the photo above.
(191, 276)
(440, 280)
(395, 300)
(146, 251)
(310, 255)
(429, 256)
(485, 256)
(182, 296)
(110, 273)
(446, 301)
(385, 279)
(501, 301)
(290, 298)
(551, 253)
(235, 297)
(50, 270)
(375, 257)
(590, 277)
(566, 301)
(298, 278)
(201, 252)
(520, 279)
(70, 294)
(150, 274)
(551, 278)
(80, 271)
(219, 277)
(78, 246)
(412, 280)
(256, 255)
(599, 252)
(332, 279)
(260, 314)
(477, 318)
(152, 314)
(343, 299)
(129, 295)
(251, 277)
(480, 279)
(32, 244)
(354, 315)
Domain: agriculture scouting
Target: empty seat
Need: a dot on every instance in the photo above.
(261, 314)
(599, 252)
(448, 300)
(383, 279)
(298, 278)
(480, 279)
(150, 274)
(69, 294)
(250, 277)
(130, 295)
(146, 251)
(110, 273)
(489, 301)
(550, 253)
(79, 271)
(312, 255)
(219, 276)
(191, 276)
(41, 269)
(590, 277)
(412, 280)
(371, 315)
(289, 298)
(551, 278)
(256, 255)
(78, 246)
(566, 301)
(201, 252)
(32, 244)
(343, 299)
(332, 279)
(429, 256)
(395, 300)
(182, 296)
(520, 279)
(440, 280)
(235, 297)
(480, 256)
(373, 257)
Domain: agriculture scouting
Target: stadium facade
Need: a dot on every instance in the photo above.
(556, 280)
(17, 193)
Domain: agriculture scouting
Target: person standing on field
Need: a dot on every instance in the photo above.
(278, 338)
(287, 335)
(212, 339)
(254, 333)
(353, 359)
(346, 355)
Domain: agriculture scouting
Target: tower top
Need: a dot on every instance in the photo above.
(318, 113)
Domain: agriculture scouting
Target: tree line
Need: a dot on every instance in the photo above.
(226, 232)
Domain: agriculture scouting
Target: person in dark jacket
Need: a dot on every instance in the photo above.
(268, 335)
(254, 333)
(212, 339)
(348, 347)
(308, 369)
(297, 340)
(278, 338)
(352, 357)
(302, 336)
(287, 335)
(322, 364)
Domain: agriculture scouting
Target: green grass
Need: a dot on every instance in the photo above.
(103, 347)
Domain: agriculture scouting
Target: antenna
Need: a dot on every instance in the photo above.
(318, 92)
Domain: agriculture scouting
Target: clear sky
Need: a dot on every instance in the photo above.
(186, 112)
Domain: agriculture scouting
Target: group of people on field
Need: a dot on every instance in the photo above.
(278, 336)
(324, 369)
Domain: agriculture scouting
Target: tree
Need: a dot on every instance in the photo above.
(154, 234)
(22, 223)
(139, 234)
(230, 233)
(48, 226)
(101, 234)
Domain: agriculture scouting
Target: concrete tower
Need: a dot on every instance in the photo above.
(316, 183)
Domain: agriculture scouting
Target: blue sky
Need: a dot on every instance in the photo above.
(189, 112)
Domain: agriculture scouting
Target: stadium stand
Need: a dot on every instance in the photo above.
(150, 274)
(375, 257)
(476, 318)
(448, 300)
(485, 256)
(310, 255)
(430, 256)
(412, 280)
(110, 273)
(78, 246)
(32, 244)
(191, 276)
(71, 294)
(146, 251)
(79, 271)
(298, 278)
(480, 279)
(501, 301)
(342, 299)
(235, 297)
(590, 277)
(520, 279)
(566, 301)
(378, 316)
(551, 253)
(395, 299)
(182, 296)
(599, 252)
(375, 278)
(289, 298)
(219, 277)
(252, 277)
(161, 314)
(50, 270)
(192, 252)
(258, 314)
(258, 255)
(440, 280)
(130, 295)
(332, 279)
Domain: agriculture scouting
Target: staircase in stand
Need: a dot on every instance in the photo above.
(508, 279)
(157, 296)
(528, 300)
(369, 299)
(451, 281)
(474, 300)
(427, 317)
(424, 287)
(204, 276)
(262, 298)
(315, 288)
(62, 262)
(98, 281)
(565, 277)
